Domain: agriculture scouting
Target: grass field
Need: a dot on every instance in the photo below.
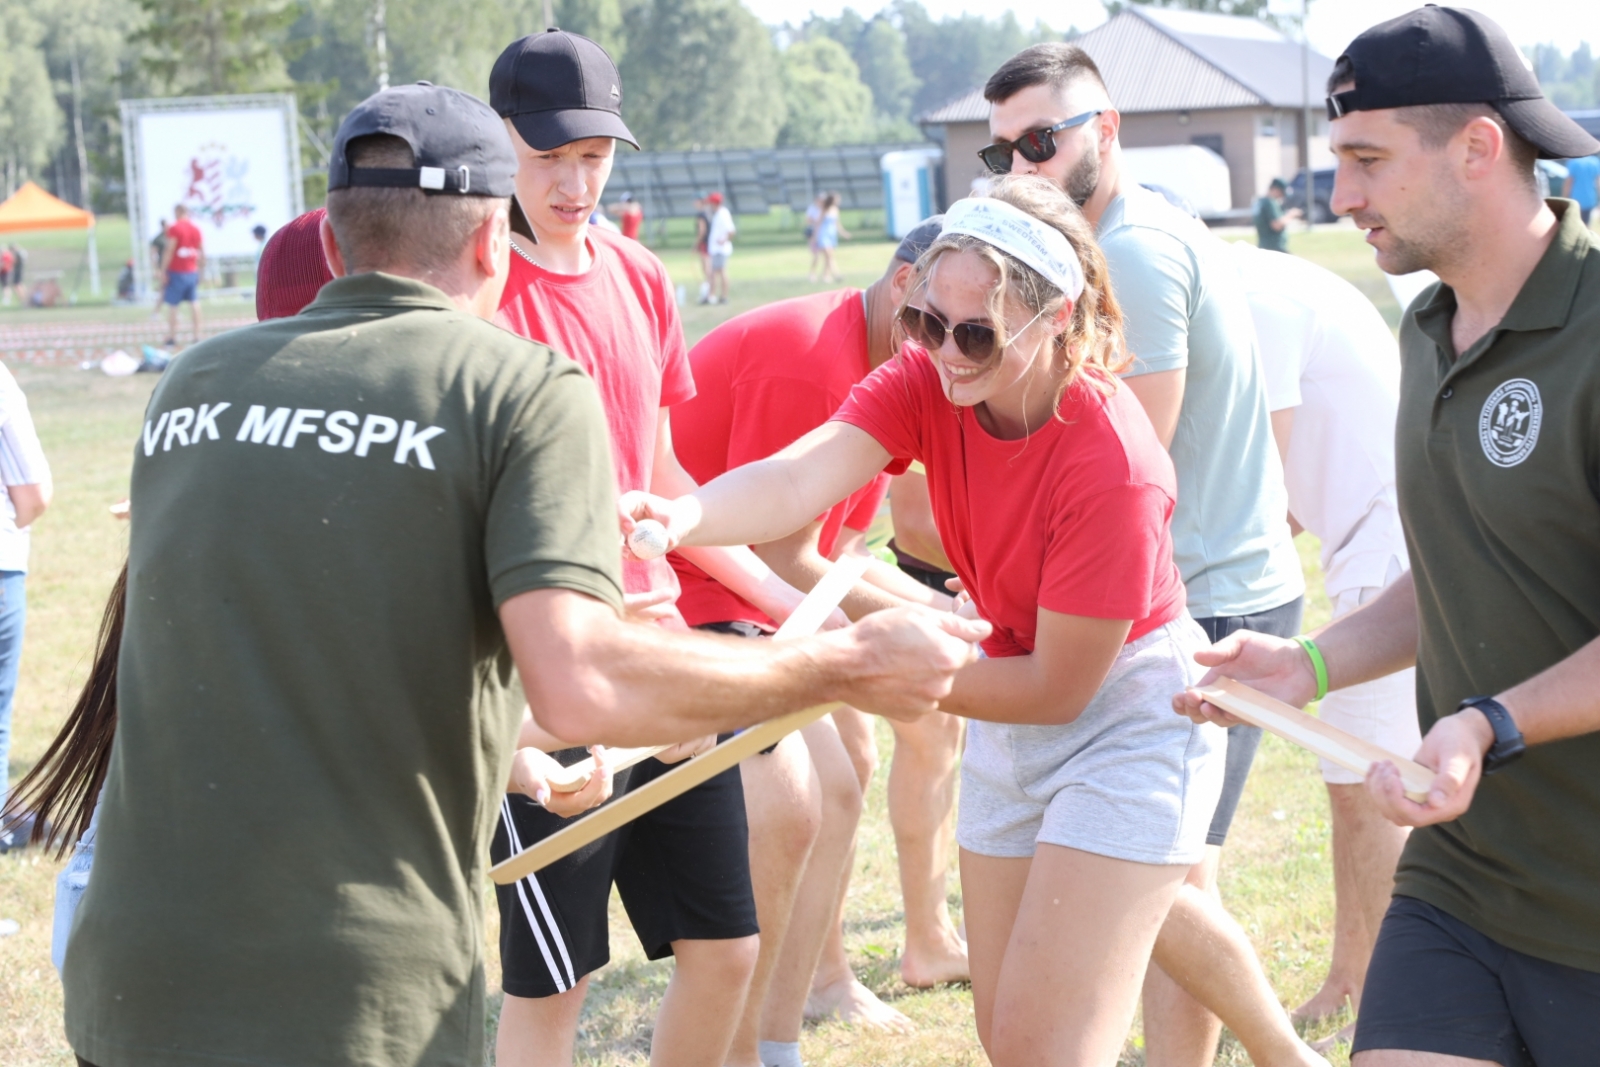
(1276, 876)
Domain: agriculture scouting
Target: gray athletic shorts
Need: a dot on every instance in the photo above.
(1129, 778)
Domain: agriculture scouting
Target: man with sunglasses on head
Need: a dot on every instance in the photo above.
(1198, 376)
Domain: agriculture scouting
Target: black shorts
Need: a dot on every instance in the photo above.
(1244, 739)
(739, 629)
(1437, 985)
(682, 870)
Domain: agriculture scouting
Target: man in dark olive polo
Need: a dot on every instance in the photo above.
(354, 530)
(1490, 953)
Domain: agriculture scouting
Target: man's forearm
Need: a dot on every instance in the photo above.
(1375, 640)
(1561, 701)
(642, 685)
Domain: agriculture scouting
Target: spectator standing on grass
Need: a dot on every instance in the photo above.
(1196, 372)
(1333, 383)
(1272, 221)
(829, 230)
(1490, 950)
(1583, 184)
(8, 260)
(719, 245)
(19, 268)
(182, 258)
(702, 237)
(28, 489)
(809, 232)
(630, 216)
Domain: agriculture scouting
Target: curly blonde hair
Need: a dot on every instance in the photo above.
(1093, 342)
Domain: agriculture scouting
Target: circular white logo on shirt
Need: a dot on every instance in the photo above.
(1508, 426)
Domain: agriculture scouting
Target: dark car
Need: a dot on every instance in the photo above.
(1321, 194)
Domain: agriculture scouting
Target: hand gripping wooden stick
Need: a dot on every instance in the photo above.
(803, 621)
(1311, 733)
(806, 619)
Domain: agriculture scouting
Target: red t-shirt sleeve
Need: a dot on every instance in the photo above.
(886, 404)
(1104, 554)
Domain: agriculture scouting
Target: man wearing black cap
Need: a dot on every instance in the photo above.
(353, 525)
(766, 378)
(607, 302)
(1490, 952)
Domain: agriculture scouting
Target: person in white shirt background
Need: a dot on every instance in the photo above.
(26, 476)
(719, 244)
(1332, 369)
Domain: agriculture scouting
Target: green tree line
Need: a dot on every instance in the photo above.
(695, 73)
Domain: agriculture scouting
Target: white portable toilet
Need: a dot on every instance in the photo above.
(908, 188)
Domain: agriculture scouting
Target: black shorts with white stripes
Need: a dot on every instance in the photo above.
(682, 870)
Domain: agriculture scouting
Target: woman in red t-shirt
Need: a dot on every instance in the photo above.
(1052, 496)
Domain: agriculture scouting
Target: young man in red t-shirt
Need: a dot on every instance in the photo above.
(181, 261)
(683, 869)
(766, 378)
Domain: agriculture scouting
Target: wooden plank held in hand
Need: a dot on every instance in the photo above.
(1311, 733)
(806, 619)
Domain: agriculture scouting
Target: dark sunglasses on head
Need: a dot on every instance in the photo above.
(976, 342)
(1036, 146)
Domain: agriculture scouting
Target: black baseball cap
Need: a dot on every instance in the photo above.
(918, 240)
(460, 145)
(1449, 55)
(558, 87)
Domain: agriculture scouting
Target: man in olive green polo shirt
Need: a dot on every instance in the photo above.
(1490, 952)
(353, 531)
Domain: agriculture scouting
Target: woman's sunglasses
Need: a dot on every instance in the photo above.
(1036, 146)
(978, 343)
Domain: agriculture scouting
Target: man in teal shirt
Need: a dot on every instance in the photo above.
(1272, 221)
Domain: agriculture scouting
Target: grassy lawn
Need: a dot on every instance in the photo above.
(1277, 877)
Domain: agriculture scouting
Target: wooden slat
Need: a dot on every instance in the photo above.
(806, 619)
(1311, 733)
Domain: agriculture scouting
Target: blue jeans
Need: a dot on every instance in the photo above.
(13, 611)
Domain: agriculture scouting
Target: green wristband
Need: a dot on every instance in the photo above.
(1317, 664)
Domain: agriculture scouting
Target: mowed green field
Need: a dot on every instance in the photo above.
(1277, 877)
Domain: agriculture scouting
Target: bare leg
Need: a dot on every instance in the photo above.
(172, 323)
(816, 903)
(1387, 1057)
(194, 319)
(701, 1008)
(1059, 946)
(539, 1032)
(783, 799)
(1216, 971)
(834, 988)
(1366, 849)
(922, 796)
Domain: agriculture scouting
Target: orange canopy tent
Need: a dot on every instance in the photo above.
(31, 208)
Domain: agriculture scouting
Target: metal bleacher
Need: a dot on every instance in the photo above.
(754, 180)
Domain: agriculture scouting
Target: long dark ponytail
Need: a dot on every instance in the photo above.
(62, 788)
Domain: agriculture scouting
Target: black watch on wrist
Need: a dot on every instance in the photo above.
(1508, 745)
